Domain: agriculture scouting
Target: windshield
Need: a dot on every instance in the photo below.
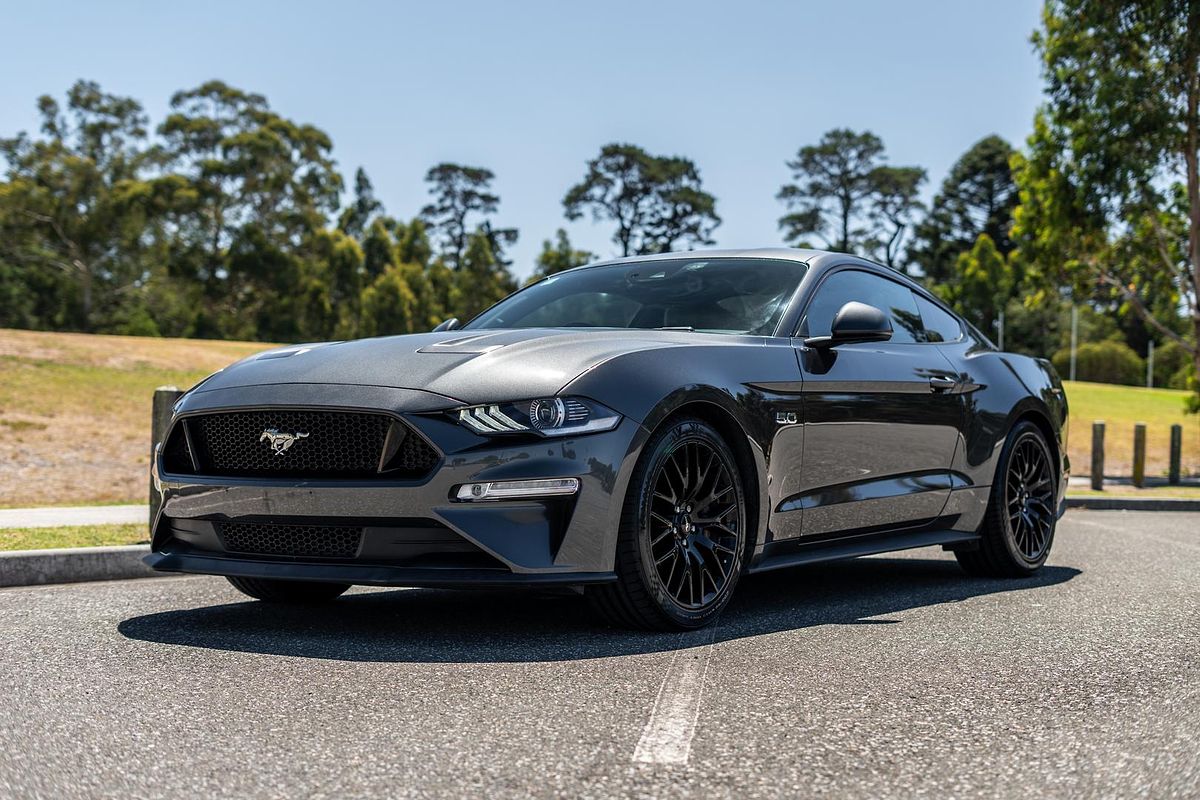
(722, 295)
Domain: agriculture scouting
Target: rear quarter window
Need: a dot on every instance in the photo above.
(940, 325)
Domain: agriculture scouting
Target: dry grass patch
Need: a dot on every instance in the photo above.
(75, 411)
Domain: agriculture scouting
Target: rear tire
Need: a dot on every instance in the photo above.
(1022, 513)
(682, 534)
(278, 591)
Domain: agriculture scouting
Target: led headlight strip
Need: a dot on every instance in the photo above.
(553, 416)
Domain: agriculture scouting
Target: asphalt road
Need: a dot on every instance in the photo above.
(881, 677)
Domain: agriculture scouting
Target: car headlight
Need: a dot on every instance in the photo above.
(545, 416)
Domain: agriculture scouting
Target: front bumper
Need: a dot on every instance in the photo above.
(555, 540)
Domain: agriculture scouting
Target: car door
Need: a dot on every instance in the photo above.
(881, 420)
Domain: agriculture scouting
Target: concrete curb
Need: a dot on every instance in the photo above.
(74, 564)
(1134, 503)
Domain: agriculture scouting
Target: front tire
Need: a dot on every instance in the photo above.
(278, 591)
(682, 535)
(1018, 528)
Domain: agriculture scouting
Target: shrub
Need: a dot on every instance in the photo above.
(1103, 362)
(1172, 366)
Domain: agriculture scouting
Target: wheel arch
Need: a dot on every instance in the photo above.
(709, 407)
(1040, 418)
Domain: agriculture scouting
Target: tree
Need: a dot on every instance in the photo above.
(73, 205)
(892, 206)
(657, 202)
(559, 255)
(846, 195)
(1112, 169)
(356, 216)
(984, 284)
(247, 192)
(834, 180)
(389, 305)
(977, 196)
(481, 280)
(459, 192)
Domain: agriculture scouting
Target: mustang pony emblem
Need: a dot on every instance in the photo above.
(280, 442)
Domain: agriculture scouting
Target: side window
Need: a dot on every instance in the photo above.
(940, 325)
(864, 287)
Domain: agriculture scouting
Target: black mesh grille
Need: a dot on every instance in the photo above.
(317, 541)
(323, 444)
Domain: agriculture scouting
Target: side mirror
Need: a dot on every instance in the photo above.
(448, 325)
(853, 323)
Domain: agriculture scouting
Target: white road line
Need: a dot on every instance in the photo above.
(667, 738)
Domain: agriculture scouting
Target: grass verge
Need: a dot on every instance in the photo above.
(72, 536)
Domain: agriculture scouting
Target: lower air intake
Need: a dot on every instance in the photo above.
(312, 541)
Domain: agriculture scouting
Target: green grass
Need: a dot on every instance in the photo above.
(1120, 407)
(72, 536)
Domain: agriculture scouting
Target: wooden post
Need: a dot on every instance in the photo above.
(1139, 455)
(1176, 454)
(160, 418)
(1098, 455)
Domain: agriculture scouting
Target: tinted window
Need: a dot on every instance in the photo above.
(894, 300)
(718, 295)
(590, 309)
(940, 325)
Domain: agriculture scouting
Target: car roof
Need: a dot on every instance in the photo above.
(815, 259)
(784, 253)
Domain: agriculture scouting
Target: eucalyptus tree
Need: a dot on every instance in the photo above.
(657, 202)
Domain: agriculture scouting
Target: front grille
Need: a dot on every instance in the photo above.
(289, 443)
(268, 539)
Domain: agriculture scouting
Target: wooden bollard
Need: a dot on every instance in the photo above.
(1098, 455)
(1139, 455)
(160, 418)
(1176, 454)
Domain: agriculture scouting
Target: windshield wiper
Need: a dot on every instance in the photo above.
(676, 328)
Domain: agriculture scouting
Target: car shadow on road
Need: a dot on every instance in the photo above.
(454, 626)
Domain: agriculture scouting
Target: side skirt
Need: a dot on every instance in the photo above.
(863, 545)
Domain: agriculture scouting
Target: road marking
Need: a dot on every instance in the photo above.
(667, 738)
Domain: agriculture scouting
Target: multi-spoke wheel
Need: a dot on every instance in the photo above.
(1019, 526)
(683, 532)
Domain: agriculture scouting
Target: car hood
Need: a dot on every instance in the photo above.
(467, 366)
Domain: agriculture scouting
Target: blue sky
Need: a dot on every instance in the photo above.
(532, 90)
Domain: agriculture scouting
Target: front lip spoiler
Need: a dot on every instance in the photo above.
(364, 574)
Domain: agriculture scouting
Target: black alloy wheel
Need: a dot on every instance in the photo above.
(1029, 498)
(693, 523)
(683, 532)
(1018, 528)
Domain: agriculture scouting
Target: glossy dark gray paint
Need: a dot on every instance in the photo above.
(891, 442)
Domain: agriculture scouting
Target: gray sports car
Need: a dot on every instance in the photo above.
(647, 429)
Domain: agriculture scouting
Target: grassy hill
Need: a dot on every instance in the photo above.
(75, 414)
(75, 411)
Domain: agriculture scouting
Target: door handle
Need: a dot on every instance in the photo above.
(940, 383)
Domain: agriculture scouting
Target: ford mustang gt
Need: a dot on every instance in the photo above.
(647, 429)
